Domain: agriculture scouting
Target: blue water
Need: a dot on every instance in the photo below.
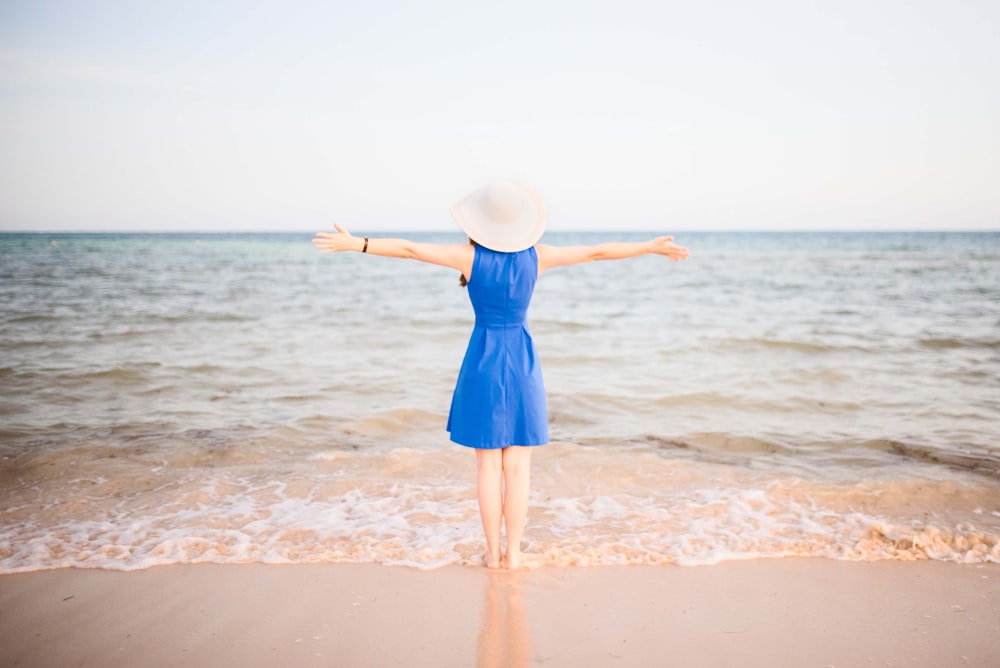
(795, 365)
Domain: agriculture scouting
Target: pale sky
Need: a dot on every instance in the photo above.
(660, 115)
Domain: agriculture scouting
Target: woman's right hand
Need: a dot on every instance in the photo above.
(328, 242)
(666, 246)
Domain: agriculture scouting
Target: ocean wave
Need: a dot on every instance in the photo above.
(415, 526)
(718, 444)
(718, 400)
(32, 318)
(784, 344)
(398, 422)
(835, 455)
(127, 375)
(131, 509)
(948, 343)
(546, 326)
(985, 463)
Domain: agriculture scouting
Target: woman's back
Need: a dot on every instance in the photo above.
(501, 286)
(499, 398)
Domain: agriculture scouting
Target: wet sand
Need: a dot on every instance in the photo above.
(782, 612)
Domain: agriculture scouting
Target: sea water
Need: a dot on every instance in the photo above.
(181, 398)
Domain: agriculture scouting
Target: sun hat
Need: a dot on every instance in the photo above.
(504, 216)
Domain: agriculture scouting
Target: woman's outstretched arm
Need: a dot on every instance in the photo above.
(560, 256)
(456, 256)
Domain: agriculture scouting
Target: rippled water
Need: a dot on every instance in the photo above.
(175, 398)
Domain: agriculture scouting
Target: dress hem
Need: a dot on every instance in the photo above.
(499, 447)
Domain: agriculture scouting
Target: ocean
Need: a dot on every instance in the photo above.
(230, 398)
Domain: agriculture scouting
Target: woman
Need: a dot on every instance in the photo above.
(498, 406)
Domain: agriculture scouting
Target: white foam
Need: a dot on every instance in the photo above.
(418, 508)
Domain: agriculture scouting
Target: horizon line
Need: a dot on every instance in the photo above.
(720, 230)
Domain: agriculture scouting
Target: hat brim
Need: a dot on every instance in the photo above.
(511, 237)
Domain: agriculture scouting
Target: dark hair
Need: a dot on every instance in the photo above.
(461, 279)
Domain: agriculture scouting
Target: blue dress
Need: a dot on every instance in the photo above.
(499, 398)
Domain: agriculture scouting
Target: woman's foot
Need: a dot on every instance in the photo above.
(491, 562)
(513, 560)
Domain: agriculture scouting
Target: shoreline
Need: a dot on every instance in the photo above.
(766, 612)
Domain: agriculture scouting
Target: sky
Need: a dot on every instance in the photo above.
(741, 115)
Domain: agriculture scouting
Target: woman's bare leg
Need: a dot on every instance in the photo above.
(489, 464)
(517, 483)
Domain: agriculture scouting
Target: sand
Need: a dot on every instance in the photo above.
(783, 612)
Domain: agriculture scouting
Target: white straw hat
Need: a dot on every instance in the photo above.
(504, 216)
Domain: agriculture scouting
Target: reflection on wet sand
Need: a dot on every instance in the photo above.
(504, 639)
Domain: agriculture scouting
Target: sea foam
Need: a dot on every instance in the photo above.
(417, 507)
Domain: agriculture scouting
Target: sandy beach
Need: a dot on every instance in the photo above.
(782, 612)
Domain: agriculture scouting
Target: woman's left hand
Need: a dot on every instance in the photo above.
(332, 243)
